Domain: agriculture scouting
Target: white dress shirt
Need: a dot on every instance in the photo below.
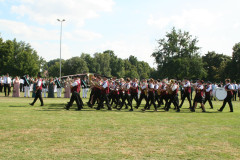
(7, 80)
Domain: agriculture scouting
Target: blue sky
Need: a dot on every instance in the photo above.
(129, 27)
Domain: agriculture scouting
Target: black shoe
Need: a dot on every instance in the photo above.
(126, 107)
(78, 109)
(203, 111)
(109, 109)
(136, 107)
(143, 110)
(178, 110)
(31, 104)
(231, 111)
(219, 110)
(131, 110)
(42, 104)
(155, 110)
(98, 109)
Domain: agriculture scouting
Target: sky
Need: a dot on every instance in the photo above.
(128, 27)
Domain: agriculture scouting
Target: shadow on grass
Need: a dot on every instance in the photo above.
(19, 106)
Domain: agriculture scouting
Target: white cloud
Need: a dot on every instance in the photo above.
(192, 19)
(214, 30)
(74, 11)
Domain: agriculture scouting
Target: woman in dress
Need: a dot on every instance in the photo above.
(16, 88)
(51, 89)
(67, 93)
(34, 87)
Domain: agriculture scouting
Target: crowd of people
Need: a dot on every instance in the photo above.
(27, 85)
(119, 93)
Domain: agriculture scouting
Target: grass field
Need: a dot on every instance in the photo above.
(50, 132)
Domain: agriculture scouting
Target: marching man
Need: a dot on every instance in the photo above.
(229, 88)
(38, 91)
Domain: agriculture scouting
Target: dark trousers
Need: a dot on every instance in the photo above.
(164, 97)
(186, 95)
(128, 98)
(142, 95)
(135, 97)
(151, 100)
(21, 87)
(1, 87)
(104, 97)
(38, 96)
(173, 99)
(234, 95)
(115, 99)
(208, 98)
(228, 100)
(157, 98)
(75, 97)
(7, 87)
(96, 96)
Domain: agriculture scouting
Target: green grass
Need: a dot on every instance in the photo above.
(50, 132)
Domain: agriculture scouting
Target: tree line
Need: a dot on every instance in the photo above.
(177, 56)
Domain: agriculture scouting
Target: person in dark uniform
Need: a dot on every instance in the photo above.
(173, 95)
(38, 91)
(199, 89)
(104, 94)
(208, 92)
(134, 90)
(144, 93)
(115, 94)
(151, 96)
(187, 92)
(229, 88)
(164, 94)
(96, 95)
(126, 96)
(75, 95)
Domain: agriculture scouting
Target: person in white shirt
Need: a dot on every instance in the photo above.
(7, 84)
(235, 87)
(38, 91)
(199, 88)
(229, 88)
(21, 85)
(151, 96)
(84, 87)
(144, 93)
(173, 95)
(134, 90)
(26, 86)
(126, 97)
(208, 92)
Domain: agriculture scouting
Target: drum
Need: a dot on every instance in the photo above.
(221, 94)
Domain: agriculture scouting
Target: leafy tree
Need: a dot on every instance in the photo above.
(235, 66)
(178, 55)
(75, 65)
(215, 65)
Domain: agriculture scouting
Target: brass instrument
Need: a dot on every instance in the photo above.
(170, 86)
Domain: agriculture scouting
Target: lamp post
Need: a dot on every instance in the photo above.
(61, 21)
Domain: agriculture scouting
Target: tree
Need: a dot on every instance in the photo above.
(75, 65)
(235, 64)
(215, 65)
(178, 55)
